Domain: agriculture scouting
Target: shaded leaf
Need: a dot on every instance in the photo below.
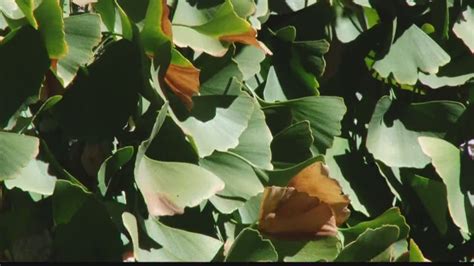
(241, 182)
(249, 245)
(82, 35)
(176, 245)
(369, 244)
(20, 84)
(390, 217)
(324, 249)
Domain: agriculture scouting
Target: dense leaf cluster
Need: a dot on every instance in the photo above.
(227, 130)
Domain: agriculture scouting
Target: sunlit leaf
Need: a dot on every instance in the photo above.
(413, 51)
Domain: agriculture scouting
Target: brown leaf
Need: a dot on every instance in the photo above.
(315, 181)
(184, 82)
(311, 206)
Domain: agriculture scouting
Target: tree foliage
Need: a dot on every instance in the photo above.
(236, 130)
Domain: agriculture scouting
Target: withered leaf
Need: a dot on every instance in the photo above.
(312, 205)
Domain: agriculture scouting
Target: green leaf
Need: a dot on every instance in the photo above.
(280, 177)
(394, 129)
(87, 221)
(152, 34)
(324, 249)
(203, 29)
(241, 182)
(369, 244)
(111, 166)
(273, 90)
(20, 84)
(223, 131)
(50, 18)
(340, 147)
(413, 51)
(390, 217)
(176, 245)
(16, 154)
(250, 211)
(435, 81)
(254, 143)
(18, 9)
(27, 8)
(249, 245)
(217, 74)
(82, 35)
(446, 159)
(293, 144)
(68, 198)
(324, 114)
(167, 187)
(34, 178)
(248, 61)
(298, 64)
(110, 89)
(463, 28)
(185, 246)
(433, 196)
(415, 253)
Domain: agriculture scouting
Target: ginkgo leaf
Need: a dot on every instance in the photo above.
(34, 178)
(222, 132)
(312, 205)
(205, 29)
(254, 143)
(241, 182)
(298, 64)
(463, 28)
(315, 181)
(51, 27)
(169, 187)
(181, 76)
(16, 153)
(250, 246)
(16, 51)
(413, 51)
(446, 159)
(398, 127)
(415, 253)
(324, 114)
(369, 244)
(157, 27)
(176, 245)
(82, 35)
(239, 30)
(436, 82)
